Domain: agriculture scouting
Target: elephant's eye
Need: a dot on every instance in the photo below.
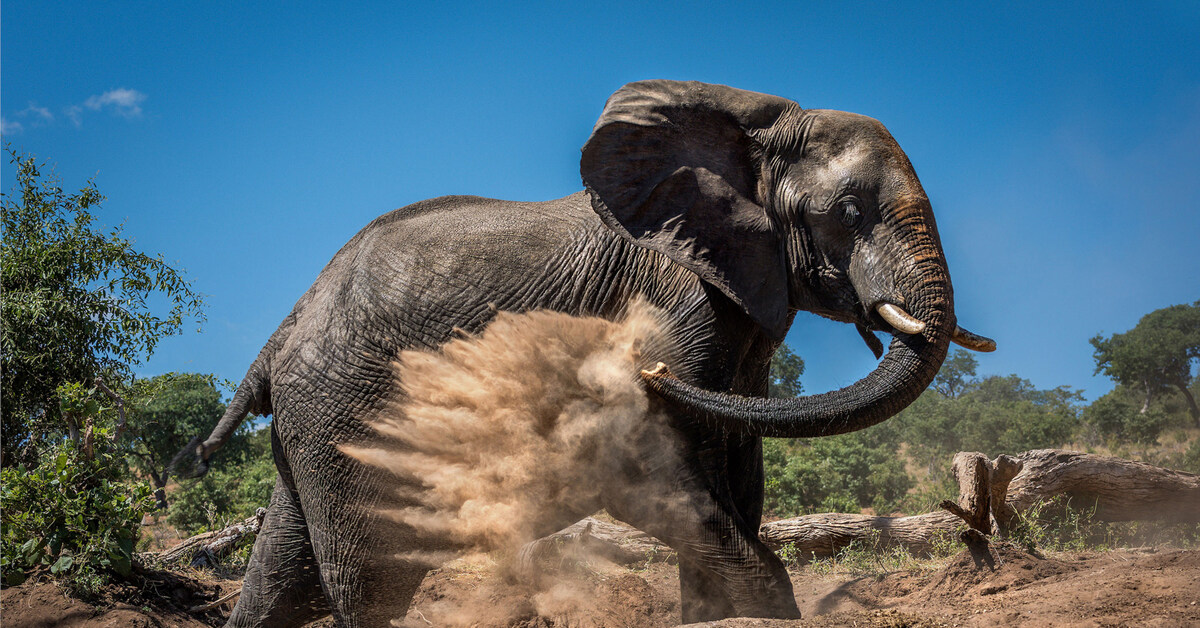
(851, 215)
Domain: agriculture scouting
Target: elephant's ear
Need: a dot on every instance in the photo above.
(671, 166)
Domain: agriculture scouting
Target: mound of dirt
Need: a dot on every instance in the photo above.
(613, 597)
(1014, 568)
(1117, 588)
(155, 599)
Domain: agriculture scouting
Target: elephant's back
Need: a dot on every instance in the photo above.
(459, 221)
(447, 262)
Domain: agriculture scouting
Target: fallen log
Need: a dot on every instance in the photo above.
(207, 549)
(826, 534)
(1119, 490)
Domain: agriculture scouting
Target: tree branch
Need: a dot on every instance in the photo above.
(120, 407)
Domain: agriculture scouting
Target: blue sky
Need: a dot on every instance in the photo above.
(248, 141)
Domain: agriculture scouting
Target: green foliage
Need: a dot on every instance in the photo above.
(165, 412)
(956, 375)
(961, 413)
(994, 414)
(836, 474)
(240, 481)
(1058, 526)
(786, 369)
(78, 510)
(841, 473)
(73, 302)
(1061, 524)
(1156, 356)
(1119, 417)
(1190, 461)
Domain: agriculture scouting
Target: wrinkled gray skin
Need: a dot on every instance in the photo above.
(728, 209)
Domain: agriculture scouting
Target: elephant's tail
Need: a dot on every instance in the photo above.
(253, 396)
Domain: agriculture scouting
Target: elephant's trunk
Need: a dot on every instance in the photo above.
(910, 365)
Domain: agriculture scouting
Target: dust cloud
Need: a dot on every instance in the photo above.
(502, 438)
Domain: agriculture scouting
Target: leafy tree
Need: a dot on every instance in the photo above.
(73, 303)
(1156, 355)
(240, 481)
(1119, 415)
(840, 473)
(997, 414)
(786, 369)
(165, 412)
(956, 375)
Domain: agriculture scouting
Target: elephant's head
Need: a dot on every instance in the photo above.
(781, 209)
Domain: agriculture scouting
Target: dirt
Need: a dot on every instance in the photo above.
(1126, 587)
(150, 600)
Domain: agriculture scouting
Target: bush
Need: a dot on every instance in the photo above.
(1118, 416)
(835, 474)
(240, 481)
(78, 511)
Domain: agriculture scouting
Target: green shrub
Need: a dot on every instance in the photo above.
(1191, 458)
(75, 514)
(835, 474)
(1118, 416)
(240, 481)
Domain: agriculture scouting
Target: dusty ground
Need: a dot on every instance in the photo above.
(155, 599)
(1116, 588)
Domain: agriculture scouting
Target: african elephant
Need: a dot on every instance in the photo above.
(727, 209)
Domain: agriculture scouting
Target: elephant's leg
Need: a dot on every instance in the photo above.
(698, 517)
(702, 597)
(282, 585)
(364, 573)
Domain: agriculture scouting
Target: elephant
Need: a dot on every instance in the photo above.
(730, 211)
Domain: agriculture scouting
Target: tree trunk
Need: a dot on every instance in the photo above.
(975, 506)
(973, 473)
(160, 489)
(207, 549)
(1120, 490)
(1004, 469)
(1192, 409)
(826, 534)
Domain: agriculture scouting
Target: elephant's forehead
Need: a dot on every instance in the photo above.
(854, 146)
(848, 135)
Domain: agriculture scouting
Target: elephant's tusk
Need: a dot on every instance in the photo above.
(660, 370)
(898, 318)
(971, 341)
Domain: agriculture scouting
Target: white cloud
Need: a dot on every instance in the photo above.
(32, 115)
(73, 112)
(40, 113)
(8, 127)
(125, 102)
(122, 101)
